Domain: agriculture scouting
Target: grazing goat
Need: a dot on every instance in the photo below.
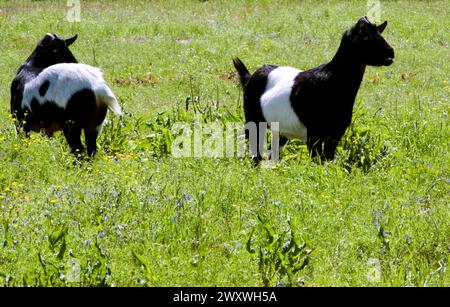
(51, 92)
(314, 105)
(69, 97)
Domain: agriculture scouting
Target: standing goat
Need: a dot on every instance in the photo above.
(314, 105)
(67, 96)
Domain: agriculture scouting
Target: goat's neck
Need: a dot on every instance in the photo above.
(347, 69)
(37, 64)
(37, 61)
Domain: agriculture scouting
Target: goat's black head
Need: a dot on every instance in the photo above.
(52, 49)
(368, 45)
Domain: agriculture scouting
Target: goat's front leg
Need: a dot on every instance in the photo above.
(26, 129)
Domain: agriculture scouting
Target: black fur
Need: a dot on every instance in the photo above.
(44, 87)
(323, 97)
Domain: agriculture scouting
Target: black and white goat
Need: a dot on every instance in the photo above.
(314, 105)
(67, 96)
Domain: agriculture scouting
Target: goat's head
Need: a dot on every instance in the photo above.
(51, 50)
(368, 45)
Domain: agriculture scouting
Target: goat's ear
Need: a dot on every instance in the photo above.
(48, 37)
(363, 21)
(381, 27)
(70, 41)
(360, 26)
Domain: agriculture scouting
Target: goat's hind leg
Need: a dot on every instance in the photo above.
(92, 130)
(314, 144)
(91, 134)
(330, 145)
(72, 132)
(253, 135)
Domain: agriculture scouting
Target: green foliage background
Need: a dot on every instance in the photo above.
(136, 216)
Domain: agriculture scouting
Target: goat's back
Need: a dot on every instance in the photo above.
(59, 82)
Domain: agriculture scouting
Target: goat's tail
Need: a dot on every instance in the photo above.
(106, 96)
(244, 74)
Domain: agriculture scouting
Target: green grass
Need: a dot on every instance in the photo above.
(138, 216)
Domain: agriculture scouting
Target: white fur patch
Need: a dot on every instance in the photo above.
(65, 80)
(276, 104)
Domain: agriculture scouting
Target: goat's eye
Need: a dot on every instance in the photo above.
(364, 35)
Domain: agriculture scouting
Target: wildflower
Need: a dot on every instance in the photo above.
(377, 220)
(175, 218)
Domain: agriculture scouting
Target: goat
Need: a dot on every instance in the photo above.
(70, 97)
(51, 92)
(314, 105)
(50, 50)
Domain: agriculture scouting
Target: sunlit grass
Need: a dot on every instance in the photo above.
(136, 216)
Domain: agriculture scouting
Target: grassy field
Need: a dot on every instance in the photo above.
(379, 215)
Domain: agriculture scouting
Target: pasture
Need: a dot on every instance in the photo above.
(379, 215)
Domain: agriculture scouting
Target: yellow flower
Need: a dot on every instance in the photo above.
(16, 184)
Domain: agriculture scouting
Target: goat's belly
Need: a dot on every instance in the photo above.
(276, 107)
(289, 125)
